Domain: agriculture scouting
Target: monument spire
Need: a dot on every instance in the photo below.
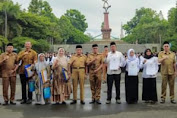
(122, 32)
(106, 5)
(106, 30)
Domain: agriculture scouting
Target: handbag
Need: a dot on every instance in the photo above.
(31, 86)
(47, 93)
(28, 72)
(65, 74)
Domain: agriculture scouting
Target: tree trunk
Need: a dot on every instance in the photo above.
(5, 24)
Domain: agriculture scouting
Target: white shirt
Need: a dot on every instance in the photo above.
(120, 60)
(126, 63)
(155, 61)
(53, 59)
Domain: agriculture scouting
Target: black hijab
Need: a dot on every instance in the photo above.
(148, 56)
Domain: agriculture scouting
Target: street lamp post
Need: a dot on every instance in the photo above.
(160, 39)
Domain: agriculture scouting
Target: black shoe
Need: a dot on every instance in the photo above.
(98, 102)
(82, 102)
(37, 104)
(12, 103)
(5, 103)
(29, 102)
(57, 103)
(63, 103)
(173, 101)
(73, 102)
(92, 102)
(23, 102)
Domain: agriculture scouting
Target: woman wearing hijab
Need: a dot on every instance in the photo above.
(40, 85)
(131, 77)
(61, 87)
(150, 69)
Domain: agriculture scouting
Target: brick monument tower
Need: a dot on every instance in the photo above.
(106, 30)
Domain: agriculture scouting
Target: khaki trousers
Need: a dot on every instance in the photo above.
(6, 82)
(170, 80)
(78, 76)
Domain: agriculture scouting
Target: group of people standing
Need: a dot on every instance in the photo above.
(57, 73)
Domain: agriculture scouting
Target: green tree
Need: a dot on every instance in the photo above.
(47, 11)
(3, 42)
(145, 27)
(65, 28)
(145, 14)
(69, 33)
(37, 45)
(42, 8)
(9, 15)
(77, 19)
(102, 25)
(78, 37)
(2, 1)
(37, 27)
(40, 25)
(41, 46)
(35, 6)
(20, 41)
(172, 31)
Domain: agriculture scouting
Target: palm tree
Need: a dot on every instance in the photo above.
(3, 42)
(9, 12)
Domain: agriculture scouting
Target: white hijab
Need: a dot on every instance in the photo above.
(131, 58)
(40, 65)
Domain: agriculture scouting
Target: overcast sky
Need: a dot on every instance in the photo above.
(121, 11)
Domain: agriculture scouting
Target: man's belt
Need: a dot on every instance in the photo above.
(78, 68)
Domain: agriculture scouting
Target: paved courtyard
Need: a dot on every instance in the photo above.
(140, 110)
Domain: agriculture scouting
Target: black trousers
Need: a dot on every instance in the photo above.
(131, 88)
(149, 89)
(115, 78)
(24, 82)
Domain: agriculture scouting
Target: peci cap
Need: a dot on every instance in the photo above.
(112, 43)
(78, 46)
(94, 45)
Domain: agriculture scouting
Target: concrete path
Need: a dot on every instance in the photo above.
(140, 110)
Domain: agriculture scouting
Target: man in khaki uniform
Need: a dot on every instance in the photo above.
(8, 62)
(168, 71)
(78, 65)
(95, 63)
(27, 56)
